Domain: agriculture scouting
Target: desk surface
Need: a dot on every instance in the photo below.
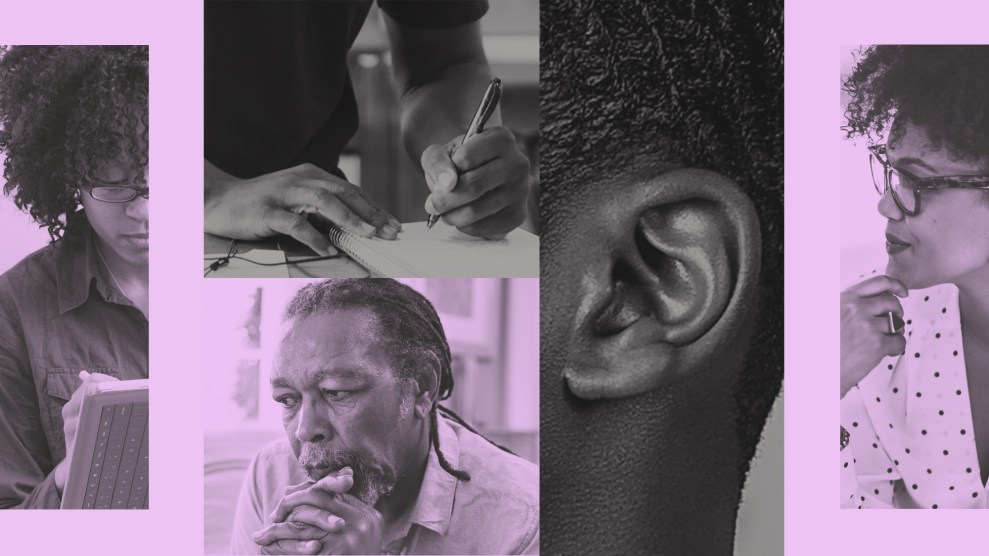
(342, 267)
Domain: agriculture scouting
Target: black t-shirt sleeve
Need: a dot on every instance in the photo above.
(431, 14)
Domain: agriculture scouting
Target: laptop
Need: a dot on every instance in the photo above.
(109, 467)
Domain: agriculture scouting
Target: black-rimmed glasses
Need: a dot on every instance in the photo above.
(115, 193)
(906, 186)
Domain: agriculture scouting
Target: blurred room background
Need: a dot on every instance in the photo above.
(492, 326)
(376, 160)
(22, 235)
(861, 228)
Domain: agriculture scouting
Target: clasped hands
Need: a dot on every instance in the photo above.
(322, 518)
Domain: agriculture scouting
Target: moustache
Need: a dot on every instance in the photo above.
(318, 461)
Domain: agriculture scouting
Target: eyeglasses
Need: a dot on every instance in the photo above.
(906, 186)
(115, 193)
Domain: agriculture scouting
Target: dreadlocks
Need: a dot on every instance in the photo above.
(409, 329)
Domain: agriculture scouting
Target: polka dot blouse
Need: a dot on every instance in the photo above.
(911, 441)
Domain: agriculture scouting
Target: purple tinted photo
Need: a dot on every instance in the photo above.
(372, 416)
(74, 285)
(915, 319)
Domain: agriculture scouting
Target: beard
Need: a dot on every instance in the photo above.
(370, 485)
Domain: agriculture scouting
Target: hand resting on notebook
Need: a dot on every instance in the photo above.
(280, 202)
(70, 416)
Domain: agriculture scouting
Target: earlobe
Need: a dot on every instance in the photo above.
(682, 267)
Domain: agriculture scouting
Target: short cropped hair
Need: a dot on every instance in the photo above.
(64, 111)
(692, 84)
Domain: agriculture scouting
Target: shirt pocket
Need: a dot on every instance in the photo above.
(60, 384)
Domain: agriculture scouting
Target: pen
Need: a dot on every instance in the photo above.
(484, 111)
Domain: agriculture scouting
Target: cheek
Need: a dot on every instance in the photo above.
(374, 423)
(949, 240)
(103, 217)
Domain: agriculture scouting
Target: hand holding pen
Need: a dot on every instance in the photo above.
(479, 181)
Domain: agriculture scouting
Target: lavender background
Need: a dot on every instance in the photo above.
(815, 226)
(862, 229)
(25, 236)
(492, 326)
(820, 185)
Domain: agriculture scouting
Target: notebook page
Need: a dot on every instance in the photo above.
(445, 252)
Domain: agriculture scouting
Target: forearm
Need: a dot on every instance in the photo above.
(213, 180)
(437, 110)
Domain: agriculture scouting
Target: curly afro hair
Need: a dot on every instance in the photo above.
(940, 88)
(65, 111)
(694, 83)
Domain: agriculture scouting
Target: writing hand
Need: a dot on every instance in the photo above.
(479, 187)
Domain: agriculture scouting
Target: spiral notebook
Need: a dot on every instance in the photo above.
(443, 252)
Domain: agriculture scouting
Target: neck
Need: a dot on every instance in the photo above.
(125, 272)
(130, 278)
(406, 490)
(973, 302)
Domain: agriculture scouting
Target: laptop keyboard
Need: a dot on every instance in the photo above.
(118, 476)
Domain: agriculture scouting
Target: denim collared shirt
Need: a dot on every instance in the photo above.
(496, 512)
(59, 314)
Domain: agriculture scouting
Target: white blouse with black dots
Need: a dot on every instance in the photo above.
(910, 423)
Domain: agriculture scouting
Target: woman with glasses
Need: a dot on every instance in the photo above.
(915, 339)
(74, 140)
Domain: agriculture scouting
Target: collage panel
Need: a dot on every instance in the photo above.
(915, 277)
(661, 277)
(390, 139)
(74, 292)
(407, 408)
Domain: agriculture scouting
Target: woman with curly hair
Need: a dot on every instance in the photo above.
(915, 339)
(74, 134)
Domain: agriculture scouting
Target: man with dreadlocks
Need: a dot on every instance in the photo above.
(378, 465)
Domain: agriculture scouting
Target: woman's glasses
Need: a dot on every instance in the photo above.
(115, 193)
(906, 186)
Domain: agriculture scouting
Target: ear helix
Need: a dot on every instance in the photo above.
(679, 282)
(686, 247)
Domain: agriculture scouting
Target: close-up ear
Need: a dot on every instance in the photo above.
(675, 281)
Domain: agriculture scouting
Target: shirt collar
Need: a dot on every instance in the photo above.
(78, 265)
(434, 506)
